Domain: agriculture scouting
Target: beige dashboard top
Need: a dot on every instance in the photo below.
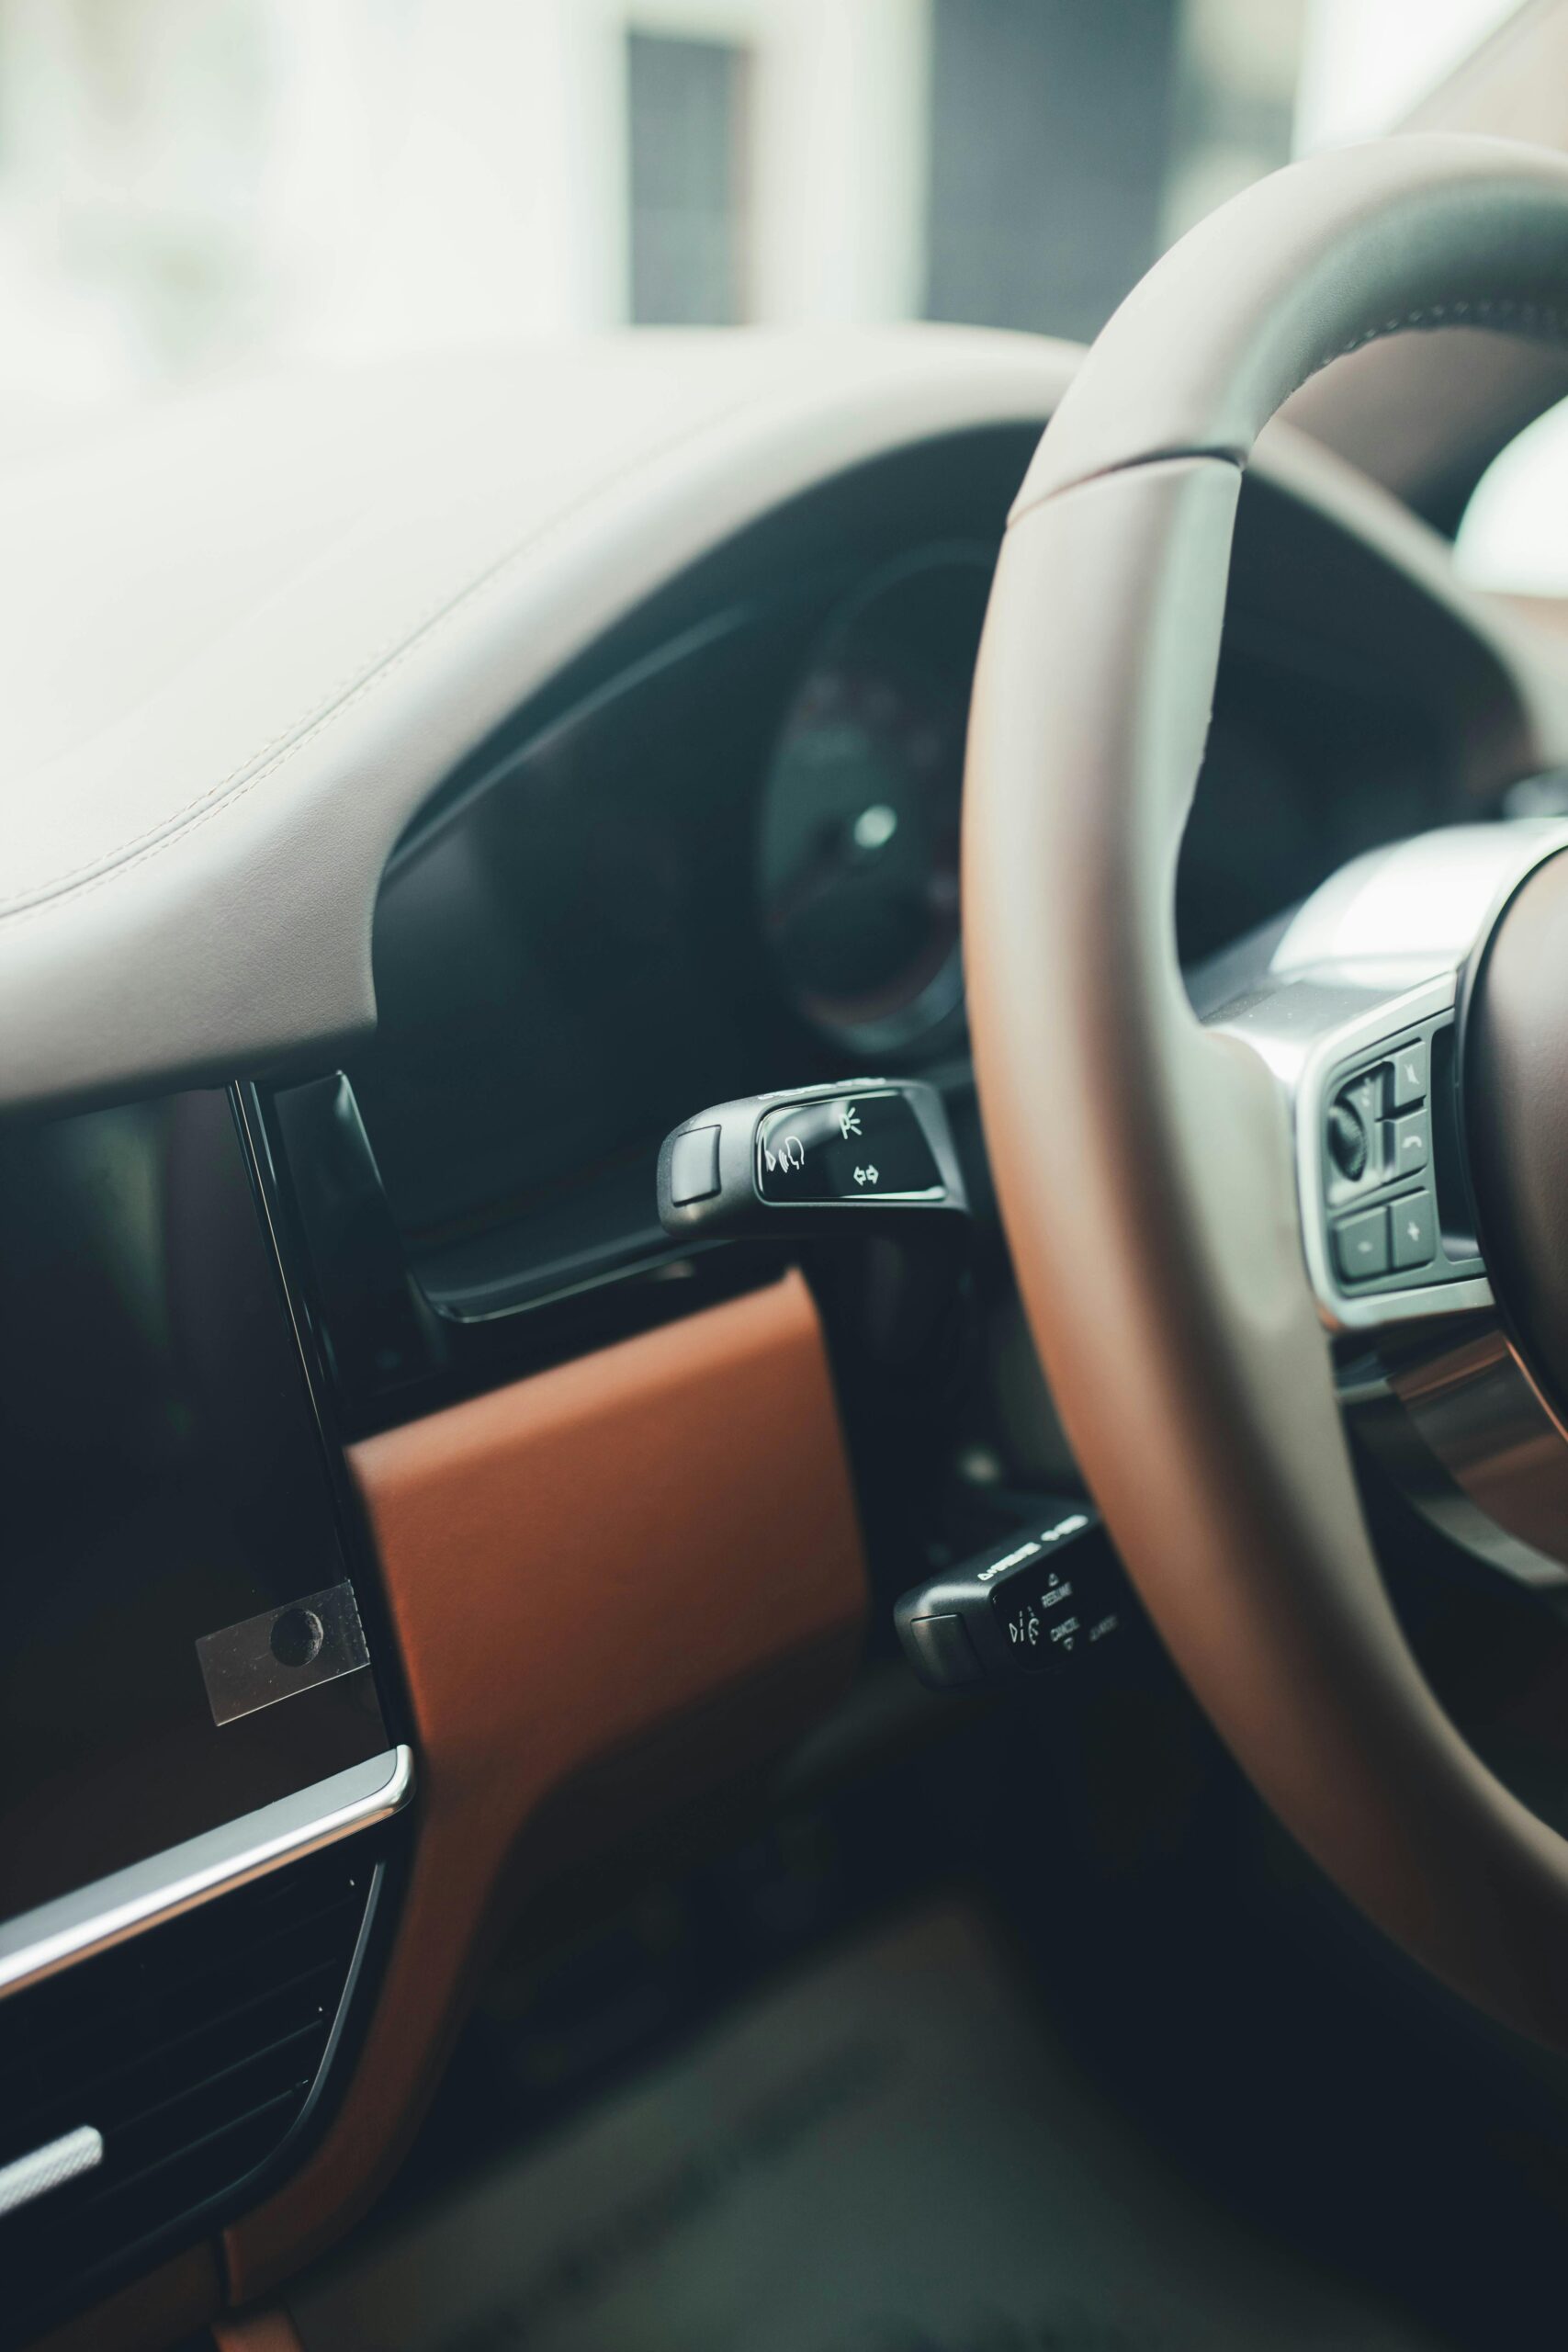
(247, 631)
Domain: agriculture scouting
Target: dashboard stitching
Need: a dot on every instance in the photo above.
(128, 855)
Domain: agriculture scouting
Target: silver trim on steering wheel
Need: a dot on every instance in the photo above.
(1428, 1372)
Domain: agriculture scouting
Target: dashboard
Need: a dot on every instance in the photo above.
(437, 849)
(730, 863)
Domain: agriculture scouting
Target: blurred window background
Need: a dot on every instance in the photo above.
(187, 184)
(193, 187)
(688, 193)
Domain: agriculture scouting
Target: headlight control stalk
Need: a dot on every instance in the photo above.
(861, 1156)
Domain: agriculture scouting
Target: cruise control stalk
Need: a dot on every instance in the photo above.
(1037, 1603)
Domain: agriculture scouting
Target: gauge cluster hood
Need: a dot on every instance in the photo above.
(247, 632)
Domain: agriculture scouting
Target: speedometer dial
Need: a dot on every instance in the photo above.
(858, 849)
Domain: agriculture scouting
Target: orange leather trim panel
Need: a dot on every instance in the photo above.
(155, 2311)
(264, 2331)
(649, 1559)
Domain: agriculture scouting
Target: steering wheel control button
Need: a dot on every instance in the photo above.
(1347, 1145)
(1036, 1604)
(1414, 1223)
(1396, 1241)
(852, 1148)
(694, 1166)
(1410, 1145)
(1407, 1076)
(1360, 1244)
(1353, 1138)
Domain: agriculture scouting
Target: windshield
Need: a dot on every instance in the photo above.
(189, 187)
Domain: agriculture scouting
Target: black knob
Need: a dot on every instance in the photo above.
(1347, 1140)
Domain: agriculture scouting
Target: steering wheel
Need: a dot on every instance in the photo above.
(1178, 1192)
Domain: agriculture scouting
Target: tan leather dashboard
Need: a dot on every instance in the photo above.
(614, 1583)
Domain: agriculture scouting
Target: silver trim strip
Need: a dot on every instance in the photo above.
(50, 2167)
(57, 1934)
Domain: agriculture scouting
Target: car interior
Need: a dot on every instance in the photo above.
(784, 1276)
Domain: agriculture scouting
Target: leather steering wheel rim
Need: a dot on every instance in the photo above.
(1144, 1166)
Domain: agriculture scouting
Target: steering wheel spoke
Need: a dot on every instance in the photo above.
(1356, 1011)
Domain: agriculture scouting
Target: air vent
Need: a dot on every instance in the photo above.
(195, 2051)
